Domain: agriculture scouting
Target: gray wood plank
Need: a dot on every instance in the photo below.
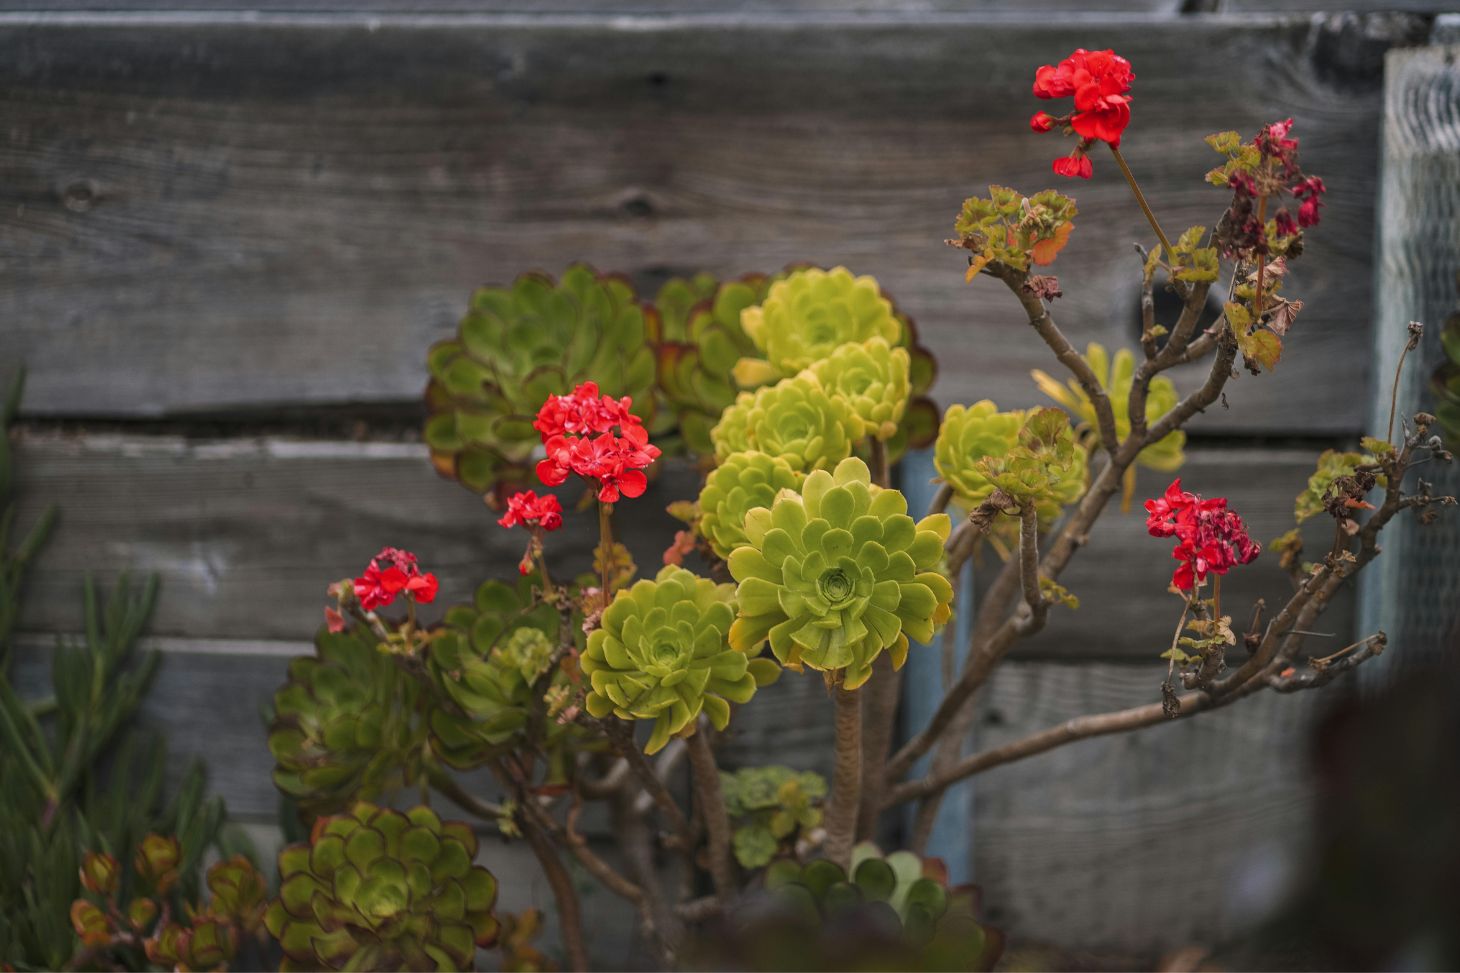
(221, 212)
(1140, 843)
(541, 7)
(246, 534)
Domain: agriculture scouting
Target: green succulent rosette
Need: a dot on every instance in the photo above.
(377, 889)
(516, 346)
(771, 807)
(808, 315)
(838, 572)
(972, 436)
(488, 661)
(736, 487)
(1116, 377)
(872, 379)
(700, 342)
(795, 419)
(663, 654)
(345, 725)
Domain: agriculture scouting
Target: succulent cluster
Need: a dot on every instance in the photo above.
(773, 807)
(837, 572)
(493, 663)
(377, 889)
(124, 912)
(884, 913)
(871, 377)
(807, 316)
(662, 654)
(346, 723)
(516, 346)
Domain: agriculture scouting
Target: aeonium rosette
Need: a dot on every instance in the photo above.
(1210, 538)
(596, 437)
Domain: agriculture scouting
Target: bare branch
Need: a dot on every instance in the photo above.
(1043, 323)
(712, 809)
(622, 738)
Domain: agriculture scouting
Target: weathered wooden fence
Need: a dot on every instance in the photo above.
(229, 235)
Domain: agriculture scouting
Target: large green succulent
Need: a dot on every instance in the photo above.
(345, 724)
(838, 572)
(1116, 377)
(889, 913)
(491, 661)
(808, 315)
(872, 379)
(700, 342)
(971, 437)
(794, 419)
(741, 483)
(662, 654)
(376, 889)
(516, 346)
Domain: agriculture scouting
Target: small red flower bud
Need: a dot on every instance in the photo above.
(1041, 121)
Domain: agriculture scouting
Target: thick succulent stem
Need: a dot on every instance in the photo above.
(570, 911)
(841, 811)
(706, 774)
(880, 720)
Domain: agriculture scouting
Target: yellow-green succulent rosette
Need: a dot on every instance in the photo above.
(836, 573)
(663, 654)
(808, 315)
(736, 487)
(1116, 375)
(795, 419)
(871, 377)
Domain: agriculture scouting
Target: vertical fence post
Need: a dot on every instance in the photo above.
(1411, 590)
(922, 689)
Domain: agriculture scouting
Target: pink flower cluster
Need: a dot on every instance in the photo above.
(1098, 80)
(527, 509)
(1210, 538)
(596, 437)
(391, 572)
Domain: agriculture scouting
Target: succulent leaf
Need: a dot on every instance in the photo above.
(662, 654)
(837, 572)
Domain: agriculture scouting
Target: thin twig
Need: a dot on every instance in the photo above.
(1135, 188)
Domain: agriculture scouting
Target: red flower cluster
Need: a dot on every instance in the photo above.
(1210, 539)
(391, 572)
(527, 509)
(1098, 80)
(596, 437)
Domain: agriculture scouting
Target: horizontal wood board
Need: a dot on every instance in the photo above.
(246, 535)
(251, 213)
(1103, 845)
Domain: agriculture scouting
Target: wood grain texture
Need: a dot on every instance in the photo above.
(1144, 842)
(209, 213)
(541, 7)
(246, 534)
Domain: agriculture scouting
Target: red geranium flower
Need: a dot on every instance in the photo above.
(1210, 538)
(1098, 81)
(595, 437)
(527, 509)
(389, 573)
